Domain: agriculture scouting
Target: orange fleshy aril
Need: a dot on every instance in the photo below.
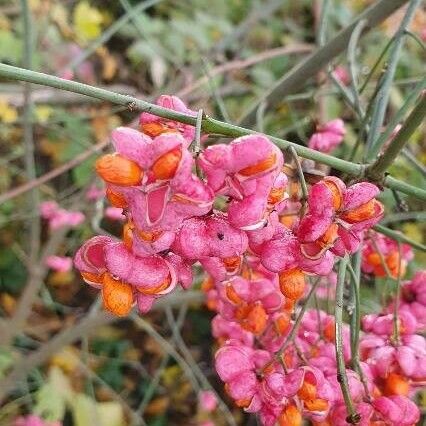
(330, 331)
(292, 283)
(157, 289)
(243, 403)
(363, 212)
(317, 404)
(307, 391)
(92, 278)
(276, 195)
(282, 323)
(211, 304)
(260, 167)
(256, 320)
(374, 259)
(232, 295)
(149, 236)
(232, 263)
(166, 166)
(207, 284)
(288, 220)
(329, 236)
(395, 384)
(128, 235)
(393, 261)
(117, 296)
(290, 416)
(116, 199)
(118, 170)
(289, 305)
(242, 312)
(336, 193)
(155, 129)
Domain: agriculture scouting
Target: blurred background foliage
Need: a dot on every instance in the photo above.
(220, 55)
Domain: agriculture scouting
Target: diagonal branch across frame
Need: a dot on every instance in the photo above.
(209, 125)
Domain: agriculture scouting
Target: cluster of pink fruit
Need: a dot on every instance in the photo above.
(229, 209)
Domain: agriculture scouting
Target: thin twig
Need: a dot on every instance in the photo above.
(210, 125)
(195, 368)
(239, 64)
(399, 116)
(302, 181)
(396, 325)
(382, 98)
(74, 333)
(30, 168)
(78, 159)
(342, 378)
(376, 170)
(297, 76)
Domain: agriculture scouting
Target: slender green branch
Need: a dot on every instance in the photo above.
(297, 76)
(404, 216)
(210, 125)
(302, 180)
(293, 333)
(416, 38)
(382, 98)
(398, 236)
(399, 116)
(352, 47)
(30, 167)
(353, 416)
(411, 158)
(299, 318)
(376, 64)
(356, 320)
(414, 120)
(396, 328)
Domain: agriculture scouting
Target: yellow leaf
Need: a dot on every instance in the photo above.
(8, 303)
(87, 21)
(171, 375)
(86, 411)
(42, 113)
(67, 359)
(111, 414)
(413, 231)
(8, 114)
(60, 279)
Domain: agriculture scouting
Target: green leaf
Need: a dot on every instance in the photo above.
(11, 47)
(83, 172)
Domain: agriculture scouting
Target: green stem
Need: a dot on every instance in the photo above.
(342, 378)
(404, 216)
(399, 116)
(30, 167)
(352, 63)
(296, 325)
(210, 125)
(376, 170)
(302, 180)
(297, 76)
(381, 101)
(356, 321)
(411, 158)
(396, 331)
